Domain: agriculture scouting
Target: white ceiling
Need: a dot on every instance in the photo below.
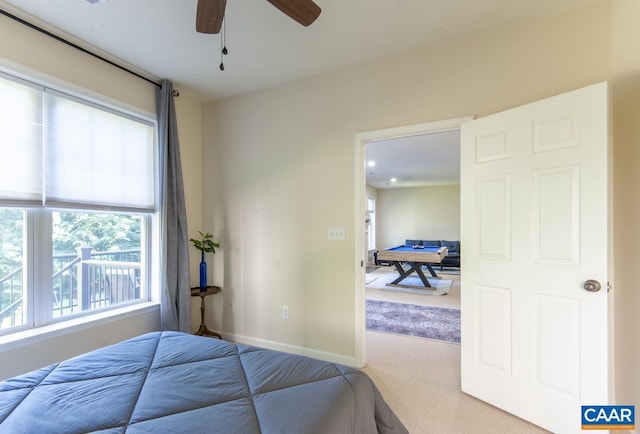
(266, 48)
(415, 161)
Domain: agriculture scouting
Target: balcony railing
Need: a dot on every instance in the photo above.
(11, 298)
(81, 282)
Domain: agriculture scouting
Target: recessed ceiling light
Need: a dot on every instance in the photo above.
(371, 163)
(393, 179)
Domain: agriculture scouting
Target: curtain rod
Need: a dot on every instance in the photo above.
(76, 46)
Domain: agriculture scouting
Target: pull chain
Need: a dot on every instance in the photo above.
(223, 44)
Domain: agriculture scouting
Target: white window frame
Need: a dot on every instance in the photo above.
(37, 261)
(371, 210)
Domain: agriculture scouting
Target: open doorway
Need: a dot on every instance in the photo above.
(411, 164)
(408, 137)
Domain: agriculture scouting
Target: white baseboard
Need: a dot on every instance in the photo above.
(293, 349)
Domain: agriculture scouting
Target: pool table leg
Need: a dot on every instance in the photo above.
(415, 266)
(430, 268)
(424, 279)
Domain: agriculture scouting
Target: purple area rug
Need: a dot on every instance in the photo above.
(442, 324)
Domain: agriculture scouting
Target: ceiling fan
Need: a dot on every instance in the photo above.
(210, 13)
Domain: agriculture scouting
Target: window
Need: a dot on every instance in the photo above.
(78, 184)
(371, 223)
(12, 270)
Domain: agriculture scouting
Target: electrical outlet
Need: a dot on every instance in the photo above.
(285, 312)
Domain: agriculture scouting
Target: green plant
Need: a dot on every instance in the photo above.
(205, 244)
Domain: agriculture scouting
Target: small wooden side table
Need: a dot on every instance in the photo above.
(195, 292)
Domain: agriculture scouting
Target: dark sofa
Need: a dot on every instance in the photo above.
(451, 260)
(453, 248)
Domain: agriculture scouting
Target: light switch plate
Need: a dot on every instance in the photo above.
(336, 233)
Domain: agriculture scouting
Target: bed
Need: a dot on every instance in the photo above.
(179, 383)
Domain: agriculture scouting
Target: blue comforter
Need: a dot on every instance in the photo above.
(178, 383)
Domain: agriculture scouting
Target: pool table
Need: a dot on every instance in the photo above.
(416, 257)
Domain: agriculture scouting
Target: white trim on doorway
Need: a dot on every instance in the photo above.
(360, 197)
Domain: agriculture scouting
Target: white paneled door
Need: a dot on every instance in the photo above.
(534, 230)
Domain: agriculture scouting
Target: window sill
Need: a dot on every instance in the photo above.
(38, 334)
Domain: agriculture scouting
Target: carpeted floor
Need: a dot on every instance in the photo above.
(410, 284)
(376, 289)
(429, 322)
(420, 378)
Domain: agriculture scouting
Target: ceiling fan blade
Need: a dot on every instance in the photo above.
(209, 15)
(303, 11)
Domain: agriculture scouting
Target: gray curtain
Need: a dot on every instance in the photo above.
(175, 307)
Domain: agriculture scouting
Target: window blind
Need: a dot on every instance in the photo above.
(20, 142)
(61, 151)
(95, 157)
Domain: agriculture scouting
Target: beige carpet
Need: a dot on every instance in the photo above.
(420, 378)
(376, 289)
(412, 284)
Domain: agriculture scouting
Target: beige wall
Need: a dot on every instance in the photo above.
(626, 210)
(27, 52)
(278, 166)
(420, 213)
(287, 162)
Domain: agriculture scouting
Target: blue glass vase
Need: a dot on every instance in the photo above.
(203, 274)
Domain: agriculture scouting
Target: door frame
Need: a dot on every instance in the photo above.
(360, 196)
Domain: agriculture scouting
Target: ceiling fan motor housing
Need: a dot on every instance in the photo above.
(97, 2)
